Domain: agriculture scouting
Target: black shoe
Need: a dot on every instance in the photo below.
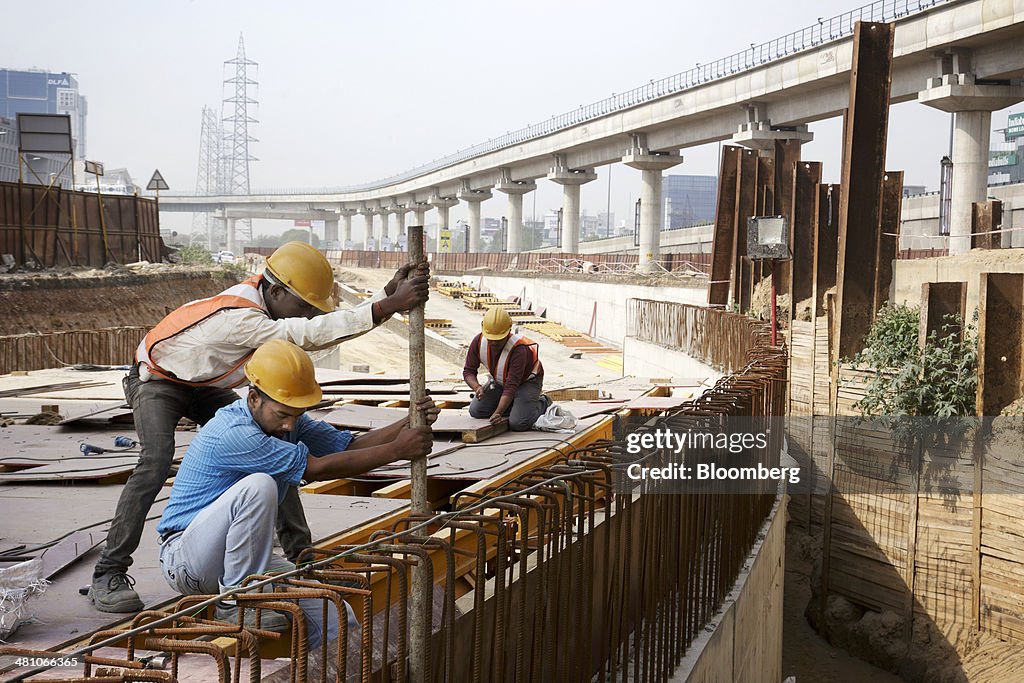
(113, 592)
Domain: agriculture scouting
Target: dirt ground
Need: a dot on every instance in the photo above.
(805, 654)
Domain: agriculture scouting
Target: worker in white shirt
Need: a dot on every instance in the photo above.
(189, 363)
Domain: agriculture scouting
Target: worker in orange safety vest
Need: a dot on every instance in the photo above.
(517, 376)
(188, 364)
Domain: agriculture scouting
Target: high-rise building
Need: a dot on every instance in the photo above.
(1006, 159)
(38, 92)
(688, 200)
(42, 92)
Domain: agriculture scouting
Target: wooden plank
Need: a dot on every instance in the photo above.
(400, 489)
(68, 550)
(483, 433)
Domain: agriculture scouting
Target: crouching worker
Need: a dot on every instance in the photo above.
(517, 377)
(218, 527)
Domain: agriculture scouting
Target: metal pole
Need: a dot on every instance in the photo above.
(775, 324)
(422, 593)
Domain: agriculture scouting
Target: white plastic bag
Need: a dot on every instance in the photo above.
(556, 419)
(18, 583)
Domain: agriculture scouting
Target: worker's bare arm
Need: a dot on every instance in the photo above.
(383, 435)
(408, 443)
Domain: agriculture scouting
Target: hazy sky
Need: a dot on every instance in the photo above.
(353, 91)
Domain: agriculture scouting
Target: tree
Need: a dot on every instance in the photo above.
(299, 235)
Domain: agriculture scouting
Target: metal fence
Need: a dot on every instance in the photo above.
(111, 346)
(443, 262)
(46, 228)
(717, 338)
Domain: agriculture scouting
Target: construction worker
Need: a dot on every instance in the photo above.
(218, 527)
(517, 376)
(189, 363)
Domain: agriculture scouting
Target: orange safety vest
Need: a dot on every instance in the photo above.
(499, 368)
(244, 295)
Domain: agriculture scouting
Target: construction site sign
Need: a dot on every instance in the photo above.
(157, 182)
(42, 133)
(445, 240)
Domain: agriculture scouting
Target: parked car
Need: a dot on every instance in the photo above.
(224, 257)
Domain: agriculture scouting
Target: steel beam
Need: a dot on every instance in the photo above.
(939, 300)
(826, 244)
(725, 220)
(787, 156)
(746, 188)
(860, 201)
(986, 217)
(1000, 303)
(888, 236)
(803, 228)
(764, 205)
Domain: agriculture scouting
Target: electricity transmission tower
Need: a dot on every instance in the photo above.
(224, 154)
(236, 117)
(208, 176)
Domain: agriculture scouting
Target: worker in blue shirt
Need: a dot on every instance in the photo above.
(218, 527)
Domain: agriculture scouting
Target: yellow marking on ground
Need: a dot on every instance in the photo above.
(611, 362)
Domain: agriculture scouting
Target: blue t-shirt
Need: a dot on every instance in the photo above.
(232, 446)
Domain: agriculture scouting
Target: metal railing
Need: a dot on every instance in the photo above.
(824, 31)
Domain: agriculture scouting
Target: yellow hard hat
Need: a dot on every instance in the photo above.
(305, 271)
(496, 324)
(284, 372)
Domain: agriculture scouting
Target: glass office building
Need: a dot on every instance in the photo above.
(688, 200)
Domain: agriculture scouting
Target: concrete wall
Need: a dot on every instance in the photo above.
(920, 218)
(694, 240)
(745, 640)
(909, 275)
(571, 301)
(645, 360)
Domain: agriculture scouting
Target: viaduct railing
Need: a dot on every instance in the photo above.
(824, 31)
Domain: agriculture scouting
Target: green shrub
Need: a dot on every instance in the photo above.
(196, 254)
(914, 388)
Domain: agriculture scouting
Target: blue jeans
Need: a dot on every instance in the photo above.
(233, 538)
(157, 406)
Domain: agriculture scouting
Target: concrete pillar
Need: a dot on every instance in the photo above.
(515, 191)
(971, 134)
(330, 229)
(382, 230)
(399, 222)
(230, 234)
(652, 165)
(346, 228)
(972, 106)
(367, 227)
(570, 180)
(442, 204)
(473, 199)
